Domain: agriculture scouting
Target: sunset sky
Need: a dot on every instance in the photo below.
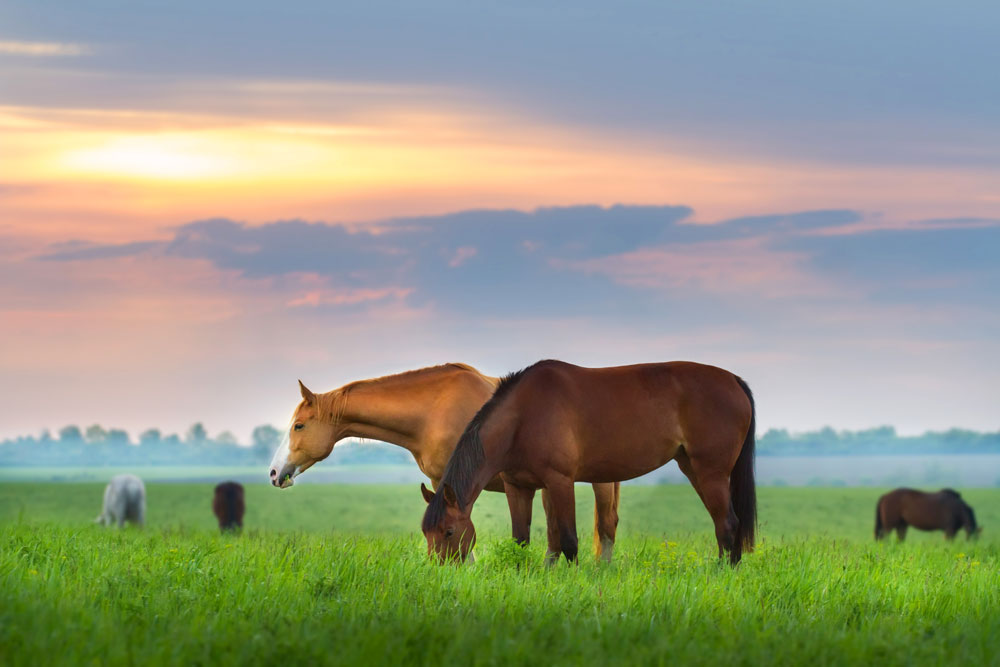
(201, 203)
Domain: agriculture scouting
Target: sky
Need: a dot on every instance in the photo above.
(201, 203)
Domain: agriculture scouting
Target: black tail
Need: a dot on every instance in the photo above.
(878, 520)
(743, 487)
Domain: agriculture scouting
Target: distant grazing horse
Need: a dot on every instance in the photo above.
(944, 510)
(424, 411)
(553, 423)
(124, 500)
(229, 506)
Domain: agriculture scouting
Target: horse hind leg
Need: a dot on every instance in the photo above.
(606, 498)
(901, 530)
(713, 489)
(715, 493)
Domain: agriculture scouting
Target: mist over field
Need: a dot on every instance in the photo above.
(875, 457)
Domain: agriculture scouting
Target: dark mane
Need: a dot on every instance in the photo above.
(468, 456)
(950, 492)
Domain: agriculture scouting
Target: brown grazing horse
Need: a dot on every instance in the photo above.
(553, 424)
(944, 510)
(229, 505)
(423, 411)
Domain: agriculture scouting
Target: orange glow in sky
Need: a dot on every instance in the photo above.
(92, 170)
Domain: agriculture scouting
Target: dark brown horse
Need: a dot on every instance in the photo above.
(229, 505)
(554, 423)
(944, 510)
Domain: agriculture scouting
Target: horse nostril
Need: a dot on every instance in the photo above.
(274, 473)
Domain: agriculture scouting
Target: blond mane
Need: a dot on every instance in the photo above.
(333, 404)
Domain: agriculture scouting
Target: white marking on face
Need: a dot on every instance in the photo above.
(283, 472)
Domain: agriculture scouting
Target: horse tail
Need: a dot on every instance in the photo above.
(743, 487)
(878, 519)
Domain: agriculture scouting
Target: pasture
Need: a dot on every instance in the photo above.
(338, 574)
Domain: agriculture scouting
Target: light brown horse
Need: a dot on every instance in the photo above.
(554, 423)
(423, 411)
(944, 510)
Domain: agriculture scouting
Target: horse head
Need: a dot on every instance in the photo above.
(448, 528)
(309, 438)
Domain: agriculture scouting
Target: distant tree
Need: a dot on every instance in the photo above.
(265, 441)
(96, 434)
(226, 438)
(117, 436)
(196, 435)
(150, 437)
(45, 437)
(70, 434)
(172, 440)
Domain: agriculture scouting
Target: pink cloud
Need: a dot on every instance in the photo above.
(346, 297)
(719, 267)
(461, 256)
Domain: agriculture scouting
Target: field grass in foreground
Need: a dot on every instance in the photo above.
(338, 575)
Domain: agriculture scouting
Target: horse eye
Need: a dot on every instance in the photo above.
(449, 532)
(299, 427)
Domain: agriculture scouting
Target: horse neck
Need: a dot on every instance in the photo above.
(391, 410)
(496, 445)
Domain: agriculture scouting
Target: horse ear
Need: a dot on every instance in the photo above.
(307, 395)
(428, 494)
(449, 495)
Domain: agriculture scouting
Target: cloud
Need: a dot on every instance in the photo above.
(348, 297)
(585, 260)
(44, 49)
(744, 267)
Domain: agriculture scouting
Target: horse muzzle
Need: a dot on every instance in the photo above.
(285, 477)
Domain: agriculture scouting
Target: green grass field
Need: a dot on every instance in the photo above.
(338, 574)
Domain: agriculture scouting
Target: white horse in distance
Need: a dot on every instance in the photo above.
(124, 500)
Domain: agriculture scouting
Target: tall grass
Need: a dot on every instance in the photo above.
(180, 593)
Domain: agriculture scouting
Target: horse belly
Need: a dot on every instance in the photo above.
(626, 461)
(925, 519)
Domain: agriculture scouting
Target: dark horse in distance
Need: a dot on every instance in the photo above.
(554, 424)
(229, 505)
(944, 510)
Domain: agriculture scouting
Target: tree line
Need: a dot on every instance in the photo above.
(97, 446)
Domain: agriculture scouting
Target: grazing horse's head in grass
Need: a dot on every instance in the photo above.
(309, 438)
(447, 527)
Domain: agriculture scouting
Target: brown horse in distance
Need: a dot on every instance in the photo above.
(944, 510)
(423, 411)
(554, 423)
(229, 505)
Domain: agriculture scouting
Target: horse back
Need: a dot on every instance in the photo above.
(925, 511)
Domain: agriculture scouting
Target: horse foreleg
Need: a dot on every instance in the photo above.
(901, 530)
(519, 501)
(552, 529)
(563, 509)
(606, 497)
